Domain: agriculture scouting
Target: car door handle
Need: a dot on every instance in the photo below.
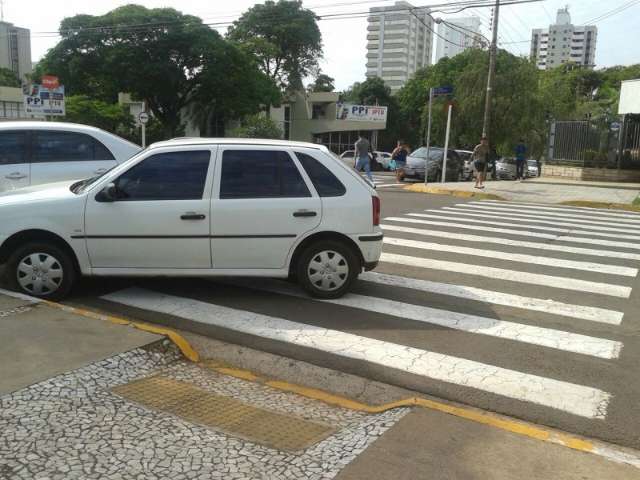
(15, 176)
(305, 213)
(100, 171)
(193, 216)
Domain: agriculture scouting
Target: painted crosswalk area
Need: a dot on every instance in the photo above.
(514, 307)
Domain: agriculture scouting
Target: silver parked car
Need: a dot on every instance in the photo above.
(532, 169)
(506, 168)
(416, 162)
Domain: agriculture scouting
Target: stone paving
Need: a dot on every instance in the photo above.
(72, 427)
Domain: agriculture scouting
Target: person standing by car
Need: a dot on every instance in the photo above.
(399, 156)
(363, 160)
(521, 157)
(480, 158)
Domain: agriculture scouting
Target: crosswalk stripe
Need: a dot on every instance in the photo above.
(586, 212)
(515, 257)
(532, 227)
(510, 275)
(580, 400)
(572, 216)
(512, 243)
(525, 218)
(544, 337)
(525, 233)
(593, 314)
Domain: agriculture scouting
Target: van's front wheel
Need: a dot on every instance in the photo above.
(327, 269)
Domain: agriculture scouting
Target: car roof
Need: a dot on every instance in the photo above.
(37, 125)
(185, 141)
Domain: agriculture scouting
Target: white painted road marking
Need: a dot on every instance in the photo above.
(543, 337)
(487, 221)
(511, 243)
(515, 257)
(593, 314)
(510, 275)
(579, 400)
(524, 218)
(583, 212)
(524, 233)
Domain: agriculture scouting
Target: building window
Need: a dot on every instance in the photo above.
(318, 111)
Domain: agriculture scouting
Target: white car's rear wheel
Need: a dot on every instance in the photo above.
(327, 269)
(41, 270)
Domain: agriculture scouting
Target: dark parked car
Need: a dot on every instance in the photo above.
(417, 161)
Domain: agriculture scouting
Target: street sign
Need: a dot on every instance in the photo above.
(50, 81)
(442, 91)
(39, 100)
(615, 126)
(143, 118)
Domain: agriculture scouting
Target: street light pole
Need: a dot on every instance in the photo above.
(426, 161)
(493, 50)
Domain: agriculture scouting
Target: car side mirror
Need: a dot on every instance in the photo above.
(108, 194)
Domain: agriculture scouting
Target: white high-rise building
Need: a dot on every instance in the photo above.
(461, 34)
(15, 49)
(563, 43)
(400, 41)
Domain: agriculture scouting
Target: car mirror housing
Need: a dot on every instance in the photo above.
(108, 194)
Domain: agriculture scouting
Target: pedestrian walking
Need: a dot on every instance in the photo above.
(363, 160)
(399, 157)
(480, 157)
(521, 159)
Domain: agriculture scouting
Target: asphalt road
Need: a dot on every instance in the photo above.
(528, 311)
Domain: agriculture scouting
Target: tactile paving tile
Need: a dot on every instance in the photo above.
(265, 427)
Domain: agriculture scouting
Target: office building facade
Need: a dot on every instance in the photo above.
(399, 42)
(15, 49)
(458, 36)
(563, 43)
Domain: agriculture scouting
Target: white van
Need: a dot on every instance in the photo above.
(197, 207)
(33, 153)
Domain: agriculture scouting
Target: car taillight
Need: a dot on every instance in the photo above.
(376, 210)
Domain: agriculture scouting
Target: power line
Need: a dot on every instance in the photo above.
(612, 12)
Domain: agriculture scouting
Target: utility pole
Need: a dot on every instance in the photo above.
(493, 50)
(426, 161)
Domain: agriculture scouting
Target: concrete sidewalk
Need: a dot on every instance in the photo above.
(40, 341)
(543, 190)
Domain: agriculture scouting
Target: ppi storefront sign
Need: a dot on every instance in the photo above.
(361, 113)
(39, 100)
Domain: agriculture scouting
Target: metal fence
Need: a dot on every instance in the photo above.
(596, 144)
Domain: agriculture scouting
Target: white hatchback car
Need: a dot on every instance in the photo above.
(32, 153)
(197, 207)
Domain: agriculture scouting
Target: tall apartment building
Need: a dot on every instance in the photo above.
(398, 42)
(15, 49)
(564, 42)
(452, 40)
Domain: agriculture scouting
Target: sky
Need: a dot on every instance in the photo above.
(344, 40)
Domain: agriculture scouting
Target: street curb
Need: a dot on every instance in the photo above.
(183, 345)
(421, 188)
(601, 205)
(611, 452)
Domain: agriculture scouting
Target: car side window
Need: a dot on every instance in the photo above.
(326, 183)
(57, 146)
(260, 174)
(13, 148)
(166, 176)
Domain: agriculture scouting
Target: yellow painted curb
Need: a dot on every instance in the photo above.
(180, 342)
(603, 205)
(421, 188)
(485, 418)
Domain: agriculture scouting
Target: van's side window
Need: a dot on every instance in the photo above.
(12, 148)
(56, 146)
(260, 174)
(325, 182)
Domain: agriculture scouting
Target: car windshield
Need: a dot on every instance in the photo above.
(434, 153)
(532, 163)
(510, 161)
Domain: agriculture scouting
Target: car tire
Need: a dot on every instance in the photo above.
(327, 269)
(55, 274)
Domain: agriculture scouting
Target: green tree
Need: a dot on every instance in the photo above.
(8, 78)
(322, 83)
(98, 113)
(158, 55)
(284, 37)
(257, 126)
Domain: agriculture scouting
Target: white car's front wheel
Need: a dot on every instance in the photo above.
(327, 269)
(41, 270)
